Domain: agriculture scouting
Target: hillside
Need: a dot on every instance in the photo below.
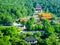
(29, 22)
(15, 9)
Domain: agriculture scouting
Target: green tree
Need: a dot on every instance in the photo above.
(39, 26)
(51, 40)
(9, 30)
(6, 20)
(30, 23)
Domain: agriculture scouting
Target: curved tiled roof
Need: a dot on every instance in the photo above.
(46, 15)
(38, 6)
(30, 39)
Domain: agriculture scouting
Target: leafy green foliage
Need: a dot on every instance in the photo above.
(30, 23)
(11, 10)
(20, 8)
(8, 30)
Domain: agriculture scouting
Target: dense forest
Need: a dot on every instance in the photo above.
(20, 8)
(9, 34)
(45, 33)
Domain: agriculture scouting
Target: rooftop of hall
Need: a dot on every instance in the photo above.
(38, 6)
(30, 39)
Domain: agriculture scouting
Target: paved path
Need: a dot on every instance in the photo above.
(31, 32)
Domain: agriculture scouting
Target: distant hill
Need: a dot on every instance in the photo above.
(21, 8)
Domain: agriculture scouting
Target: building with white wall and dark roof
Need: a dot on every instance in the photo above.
(31, 40)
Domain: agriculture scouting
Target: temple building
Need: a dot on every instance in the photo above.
(31, 40)
(45, 15)
(48, 16)
(38, 8)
